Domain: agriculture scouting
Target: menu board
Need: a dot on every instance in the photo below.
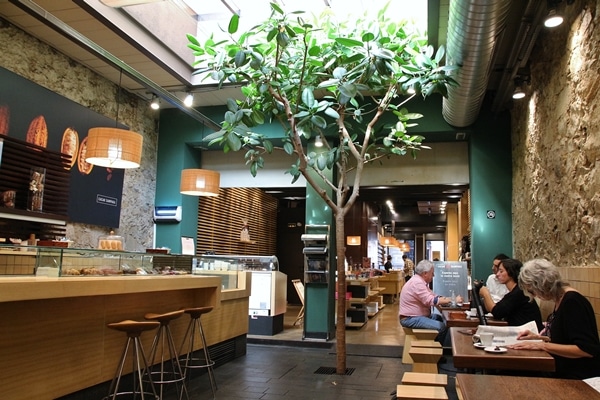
(451, 276)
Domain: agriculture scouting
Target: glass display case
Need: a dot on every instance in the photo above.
(268, 299)
(228, 266)
(64, 262)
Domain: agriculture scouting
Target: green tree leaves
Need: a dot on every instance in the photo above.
(315, 74)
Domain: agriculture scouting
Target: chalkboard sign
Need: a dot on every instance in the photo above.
(451, 276)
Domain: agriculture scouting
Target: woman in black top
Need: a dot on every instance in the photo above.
(515, 308)
(571, 334)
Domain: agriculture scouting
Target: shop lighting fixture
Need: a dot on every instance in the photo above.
(318, 141)
(200, 182)
(520, 81)
(189, 100)
(114, 147)
(388, 241)
(518, 93)
(553, 19)
(353, 240)
(155, 104)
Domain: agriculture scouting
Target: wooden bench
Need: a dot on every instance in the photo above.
(415, 334)
(424, 379)
(425, 359)
(416, 392)
(426, 343)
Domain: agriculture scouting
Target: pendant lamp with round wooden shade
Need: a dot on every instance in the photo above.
(113, 148)
(353, 240)
(200, 182)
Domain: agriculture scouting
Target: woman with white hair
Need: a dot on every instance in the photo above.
(571, 334)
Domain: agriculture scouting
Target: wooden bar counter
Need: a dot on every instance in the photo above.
(53, 335)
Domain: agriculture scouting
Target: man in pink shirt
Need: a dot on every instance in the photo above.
(417, 300)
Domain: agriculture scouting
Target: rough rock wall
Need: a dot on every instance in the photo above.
(556, 145)
(34, 60)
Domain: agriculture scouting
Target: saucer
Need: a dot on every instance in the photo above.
(496, 349)
(479, 345)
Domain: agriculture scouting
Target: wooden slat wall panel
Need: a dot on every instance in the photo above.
(220, 222)
(17, 159)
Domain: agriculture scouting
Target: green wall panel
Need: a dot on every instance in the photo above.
(491, 192)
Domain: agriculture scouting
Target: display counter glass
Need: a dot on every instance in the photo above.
(228, 267)
(64, 262)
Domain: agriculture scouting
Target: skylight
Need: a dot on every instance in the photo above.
(213, 15)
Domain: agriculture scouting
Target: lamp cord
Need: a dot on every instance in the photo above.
(119, 97)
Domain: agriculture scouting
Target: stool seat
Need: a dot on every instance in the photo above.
(196, 312)
(423, 378)
(425, 343)
(425, 334)
(134, 327)
(416, 392)
(164, 318)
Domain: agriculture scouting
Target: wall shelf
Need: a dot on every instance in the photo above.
(17, 157)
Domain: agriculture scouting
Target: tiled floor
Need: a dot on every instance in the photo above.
(283, 366)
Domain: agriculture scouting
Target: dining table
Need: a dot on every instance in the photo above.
(477, 387)
(461, 319)
(466, 355)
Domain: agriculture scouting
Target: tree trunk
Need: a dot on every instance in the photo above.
(340, 330)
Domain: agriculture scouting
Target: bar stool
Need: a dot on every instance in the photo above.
(133, 329)
(168, 370)
(187, 346)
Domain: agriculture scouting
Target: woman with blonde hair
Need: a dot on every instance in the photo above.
(571, 334)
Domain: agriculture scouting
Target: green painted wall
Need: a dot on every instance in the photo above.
(319, 308)
(175, 131)
(491, 190)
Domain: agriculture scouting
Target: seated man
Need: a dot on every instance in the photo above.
(417, 299)
(497, 290)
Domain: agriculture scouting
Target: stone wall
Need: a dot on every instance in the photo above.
(34, 60)
(556, 151)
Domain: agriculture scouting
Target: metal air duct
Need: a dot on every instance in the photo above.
(473, 30)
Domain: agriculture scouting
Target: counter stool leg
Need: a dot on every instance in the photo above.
(139, 362)
(164, 357)
(187, 345)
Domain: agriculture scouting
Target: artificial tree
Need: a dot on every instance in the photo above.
(327, 78)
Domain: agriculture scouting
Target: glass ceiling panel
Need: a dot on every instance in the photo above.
(213, 15)
(170, 20)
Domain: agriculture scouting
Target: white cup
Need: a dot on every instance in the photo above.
(486, 338)
(473, 312)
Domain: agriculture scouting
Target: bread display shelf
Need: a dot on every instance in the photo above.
(68, 262)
